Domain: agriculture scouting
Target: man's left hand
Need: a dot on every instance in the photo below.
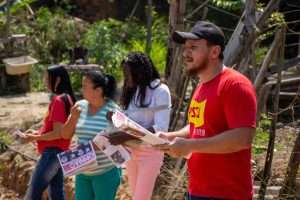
(179, 147)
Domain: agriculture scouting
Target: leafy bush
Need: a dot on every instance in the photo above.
(36, 78)
(231, 5)
(76, 79)
(158, 53)
(53, 33)
(5, 140)
(104, 42)
(110, 40)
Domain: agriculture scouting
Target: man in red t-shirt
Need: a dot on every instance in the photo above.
(222, 120)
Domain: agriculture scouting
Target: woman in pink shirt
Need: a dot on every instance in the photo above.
(147, 101)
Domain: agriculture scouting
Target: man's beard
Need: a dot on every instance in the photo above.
(193, 72)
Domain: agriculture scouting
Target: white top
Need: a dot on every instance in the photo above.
(157, 114)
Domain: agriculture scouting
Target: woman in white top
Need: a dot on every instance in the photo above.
(147, 101)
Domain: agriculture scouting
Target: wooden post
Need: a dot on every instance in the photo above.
(250, 27)
(289, 185)
(176, 22)
(243, 36)
(270, 150)
(267, 61)
(174, 72)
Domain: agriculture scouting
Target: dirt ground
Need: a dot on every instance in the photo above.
(21, 111)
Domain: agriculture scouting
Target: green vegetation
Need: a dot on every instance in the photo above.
(233, 5)
(51, 33)
(262, 135)
(5, 140)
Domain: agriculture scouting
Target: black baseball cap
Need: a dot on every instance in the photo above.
(201, 30)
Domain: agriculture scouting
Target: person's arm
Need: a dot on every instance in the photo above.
(57, 116)
(51, 135)
(69, 127)
(240, 110)
(230, 141)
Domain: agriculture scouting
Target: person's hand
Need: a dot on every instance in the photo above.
(75, 112)
(31, 131)
(28, 138)
(165, 135)
(179, 147)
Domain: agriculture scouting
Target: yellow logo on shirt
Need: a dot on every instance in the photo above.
(196, 113)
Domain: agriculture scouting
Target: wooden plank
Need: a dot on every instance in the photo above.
(288, 64)
(83, 67)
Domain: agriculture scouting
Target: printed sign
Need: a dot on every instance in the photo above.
(75, 160)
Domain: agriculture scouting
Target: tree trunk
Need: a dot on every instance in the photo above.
(149, 27)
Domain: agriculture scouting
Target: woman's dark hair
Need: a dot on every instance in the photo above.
(105, 81)
(64, 86)
(143, 72)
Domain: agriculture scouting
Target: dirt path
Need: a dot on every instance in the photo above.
(6, 194)
(21, 111)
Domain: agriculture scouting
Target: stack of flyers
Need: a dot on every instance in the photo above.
(121, 121)
(116, 153)
(77, 160)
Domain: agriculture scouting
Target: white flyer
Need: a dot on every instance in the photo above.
(116, 153)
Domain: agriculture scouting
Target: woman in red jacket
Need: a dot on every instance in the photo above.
(47, 173)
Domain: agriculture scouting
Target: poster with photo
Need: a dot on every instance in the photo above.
(116, 153)
(74, 161)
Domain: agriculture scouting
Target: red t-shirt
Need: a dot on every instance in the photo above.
(56, 113)
(226, 102)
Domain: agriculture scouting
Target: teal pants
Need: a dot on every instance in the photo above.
(98, 187)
